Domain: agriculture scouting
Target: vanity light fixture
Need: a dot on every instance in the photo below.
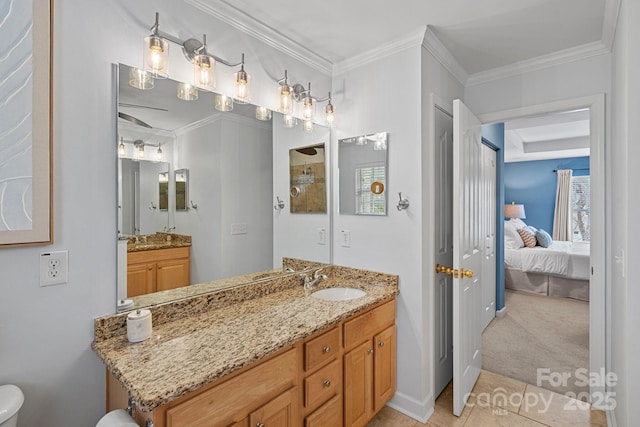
(285, 96)
(156, 53)
(156, 60)
(241, 89)
(139, 144)
(159, 154)
(187, 92)
(263, 113)
(223, 102)
(140, 79)
(122, 150)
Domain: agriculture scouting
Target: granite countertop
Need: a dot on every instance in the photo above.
(187, 353)
(159, 240)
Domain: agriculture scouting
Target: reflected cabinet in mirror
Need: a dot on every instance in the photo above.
(172, 152)
(362, 167)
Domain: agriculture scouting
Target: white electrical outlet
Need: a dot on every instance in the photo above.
(54, 268)
(239, 228)
(322, 236)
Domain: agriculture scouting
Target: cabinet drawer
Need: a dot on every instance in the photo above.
(321, 349)
(322, 385)
(220, 404)
(363, 327)
(329, 414)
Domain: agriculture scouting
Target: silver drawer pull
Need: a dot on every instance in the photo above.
(370, 351)
(259, 425)
(326, 349)
(381, 344)
(326, 383)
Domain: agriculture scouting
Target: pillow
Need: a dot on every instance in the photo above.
(531, 229)
(543, 238)
(512, 239)
(518, 223)
(528, 238)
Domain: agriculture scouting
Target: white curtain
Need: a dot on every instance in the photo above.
(562, 214)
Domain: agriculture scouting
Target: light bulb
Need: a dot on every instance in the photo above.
(241, 88)
(159, 154)
(204, 68)
(122, 150)
(156, 56)
(307, 126)
(141, 151)
(263, 113)
(288, 121)
(328, 114)
(140, 79)
(308, 108)
(187, 92)
(285, 104)
(223, 103)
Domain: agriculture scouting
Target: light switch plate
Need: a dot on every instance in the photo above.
(346, 238)
(322, 236)
(54, 268)
(239, 228)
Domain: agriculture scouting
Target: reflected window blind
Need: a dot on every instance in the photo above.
(366, 201)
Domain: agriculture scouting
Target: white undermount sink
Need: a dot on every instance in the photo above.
(338, 294)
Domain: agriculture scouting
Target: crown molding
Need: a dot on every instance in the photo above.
(433, 44)
(611, 11)
(556, 58)
(411, 40)
(231, 15)
(220, 117)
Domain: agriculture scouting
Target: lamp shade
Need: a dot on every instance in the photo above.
(514, 211)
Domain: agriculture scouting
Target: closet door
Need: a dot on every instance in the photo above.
(488, 219)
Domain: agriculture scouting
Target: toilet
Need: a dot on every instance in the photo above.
(11, 399)
(116, 418)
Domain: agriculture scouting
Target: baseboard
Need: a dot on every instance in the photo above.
(501, 312)
(611, 418)
(420, 411)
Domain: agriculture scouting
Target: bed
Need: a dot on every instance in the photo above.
(560, 270)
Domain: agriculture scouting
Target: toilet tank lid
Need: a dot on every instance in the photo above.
(11, 399)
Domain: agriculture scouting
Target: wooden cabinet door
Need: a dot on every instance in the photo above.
(140, 279)
(279, 412)
(384, 367)
(328, 415)
(172, 274)
(358, 386)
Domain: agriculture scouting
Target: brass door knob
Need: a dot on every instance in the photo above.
(466, 273)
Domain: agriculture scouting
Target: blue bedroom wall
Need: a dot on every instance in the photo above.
(533, 184)
(493, 136)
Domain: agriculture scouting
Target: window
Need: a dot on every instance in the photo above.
(366, 201)
(580, 215)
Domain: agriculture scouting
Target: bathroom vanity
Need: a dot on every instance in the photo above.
(267, 353)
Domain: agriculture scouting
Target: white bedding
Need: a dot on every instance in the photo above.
(566, 259)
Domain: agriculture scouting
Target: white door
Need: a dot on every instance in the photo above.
(467, 253)
(443, 292)
(488, 209)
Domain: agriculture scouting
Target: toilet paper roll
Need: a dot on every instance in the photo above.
(117, 418)
(139, 325)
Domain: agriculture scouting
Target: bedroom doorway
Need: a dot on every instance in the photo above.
(594, 105)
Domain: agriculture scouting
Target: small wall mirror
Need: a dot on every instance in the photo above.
(163, 184)
(141, 206)
(362, 172)
(307, 192)
(182, 189)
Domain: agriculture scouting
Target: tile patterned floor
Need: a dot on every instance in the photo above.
(498, 401)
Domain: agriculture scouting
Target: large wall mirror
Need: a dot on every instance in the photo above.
(227, 211)
(362, 164)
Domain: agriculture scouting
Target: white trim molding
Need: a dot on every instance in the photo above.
(611, 11)
(501, 312)
(411, 40)
(418, 410)
(226, 12)
(433, 44)
(567, 55)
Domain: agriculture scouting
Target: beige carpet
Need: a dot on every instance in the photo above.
(540, 332)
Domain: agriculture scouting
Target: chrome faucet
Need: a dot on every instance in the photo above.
(311, 281)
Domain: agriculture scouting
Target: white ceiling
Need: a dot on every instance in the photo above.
(550, 136)
(480, 34)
